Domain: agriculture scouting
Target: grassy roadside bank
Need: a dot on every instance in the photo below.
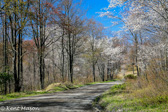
(118, 99)
(52, 88)
(55, 87)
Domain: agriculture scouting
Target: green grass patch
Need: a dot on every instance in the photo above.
(52, 89)
(130, 76)
(19, 95)
(118, 99)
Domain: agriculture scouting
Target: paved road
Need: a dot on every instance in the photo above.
(77, 100)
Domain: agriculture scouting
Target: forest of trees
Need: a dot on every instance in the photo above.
(47, 41)
(144, 26)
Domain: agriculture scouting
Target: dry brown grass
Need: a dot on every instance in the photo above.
(152, 88)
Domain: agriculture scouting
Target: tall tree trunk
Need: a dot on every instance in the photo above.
(71, 65)
(53, 64)
(16, 78)
(136, 54)
(34, 68)
(19, 63)
(103, 67)
(133, 66)
(63, 57)
(71, 69)
(41, 48)
(41, 68)
(5, 48)
(21, 59)
(93, 67)
(93, 59)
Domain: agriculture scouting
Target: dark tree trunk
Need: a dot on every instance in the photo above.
(63, 57)
(136, 53)
(53, 66)
(5, 51)
(71, 69)
(21, 60)
(103, 67)
(41, 48)
(93, 67)
(16, 78)
(41, 68)
(34, 68)
(93, 60)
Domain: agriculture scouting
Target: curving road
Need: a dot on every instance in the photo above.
(77, 100)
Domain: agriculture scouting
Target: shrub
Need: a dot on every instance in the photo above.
(151, 87)
(120, 86)
(4, 77)
(130, 76)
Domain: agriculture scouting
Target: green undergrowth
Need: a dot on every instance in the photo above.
(130, 76)
(52, 88)
(118, 99)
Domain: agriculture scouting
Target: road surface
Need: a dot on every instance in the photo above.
(76, 100)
